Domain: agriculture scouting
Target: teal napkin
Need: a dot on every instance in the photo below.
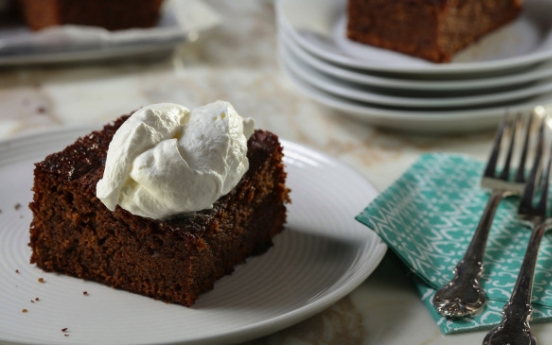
(428, 216)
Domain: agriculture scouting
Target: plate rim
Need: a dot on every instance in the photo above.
(347, 74)
(424, 115)
(265, 327)
(339, 89)
(452, 69)
(414, 122)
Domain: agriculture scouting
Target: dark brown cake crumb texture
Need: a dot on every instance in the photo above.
(430, 29)
(175, 260)
(108, 14)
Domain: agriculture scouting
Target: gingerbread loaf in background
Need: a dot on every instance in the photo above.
(108, 14)
(173, 260)
(430, 29)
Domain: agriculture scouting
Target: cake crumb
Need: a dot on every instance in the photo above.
(41, 280)
(37, 299)
(85, 293)
(32, 301)
(66, 334)
(17, 271)
(24, 310)
(17, 206)
(64, 329)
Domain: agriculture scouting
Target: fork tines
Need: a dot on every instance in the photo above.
(507, 135)
(535, 183)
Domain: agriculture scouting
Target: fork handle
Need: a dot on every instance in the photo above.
(476, 249)
(463, 295)
(514, 328)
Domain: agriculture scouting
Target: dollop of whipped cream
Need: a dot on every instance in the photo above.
(165, 160)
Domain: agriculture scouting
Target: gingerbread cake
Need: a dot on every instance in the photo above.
(172, 260)
(108, 14)
(430, 29)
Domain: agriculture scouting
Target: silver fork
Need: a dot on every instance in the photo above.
(463, 295)
(514, 328)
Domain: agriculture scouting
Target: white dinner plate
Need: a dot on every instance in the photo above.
(534, 73)
(525, 41)
(406, 99)
(321, 256)
(418, 121)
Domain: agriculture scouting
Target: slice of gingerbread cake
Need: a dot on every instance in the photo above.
(109, 14)
(165, 236)
(430, 29)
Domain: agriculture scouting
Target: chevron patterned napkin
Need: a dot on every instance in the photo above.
(428, 216)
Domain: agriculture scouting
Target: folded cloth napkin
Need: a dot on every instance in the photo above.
(428, 217)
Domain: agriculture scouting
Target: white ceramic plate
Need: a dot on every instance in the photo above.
(405, 99)
(322, 255)
(418, 121)
(525, 41)
(476, 85)
(154, 49)
(180, 21)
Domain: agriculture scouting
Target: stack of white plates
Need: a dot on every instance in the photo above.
(508, 71)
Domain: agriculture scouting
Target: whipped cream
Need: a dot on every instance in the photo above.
(165, 160)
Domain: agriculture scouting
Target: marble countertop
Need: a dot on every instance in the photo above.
(238, 62)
